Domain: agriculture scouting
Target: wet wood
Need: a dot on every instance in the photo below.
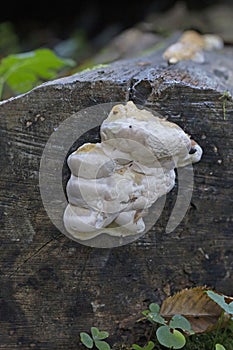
(52, 288)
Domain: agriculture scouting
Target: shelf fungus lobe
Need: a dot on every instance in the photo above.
(191, 46)
(114, 182)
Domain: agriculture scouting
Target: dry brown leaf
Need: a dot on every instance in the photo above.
(194, 304)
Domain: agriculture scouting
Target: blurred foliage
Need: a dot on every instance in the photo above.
(21, 72)
(76, 46)
(9, 42)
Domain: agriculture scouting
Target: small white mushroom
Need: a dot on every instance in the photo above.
(114, 183)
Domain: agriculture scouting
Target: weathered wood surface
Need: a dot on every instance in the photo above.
(52, 287)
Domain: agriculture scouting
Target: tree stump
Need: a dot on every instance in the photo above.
(52, 287)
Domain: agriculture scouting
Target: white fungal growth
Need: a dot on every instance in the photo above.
(191, 46)
(114, 183)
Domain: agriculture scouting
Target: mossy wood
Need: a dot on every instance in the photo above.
(52, 288)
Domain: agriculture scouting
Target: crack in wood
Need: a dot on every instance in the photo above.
(31, 256)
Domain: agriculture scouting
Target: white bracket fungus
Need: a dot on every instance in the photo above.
(191, 46)
(114, 183)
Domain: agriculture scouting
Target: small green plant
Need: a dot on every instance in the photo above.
(226, 304)
(169, 334)
(211, 329)
(225, 97)
(96, 339)
(219, 347)
(221, 300)
(148, 346)
(22, 72)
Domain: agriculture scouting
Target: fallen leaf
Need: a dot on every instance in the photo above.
(194, 304)
(225, 302)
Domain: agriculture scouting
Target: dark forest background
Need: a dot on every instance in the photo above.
(47, 23)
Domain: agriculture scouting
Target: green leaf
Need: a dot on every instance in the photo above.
(94, 332)
(154, 308)
(23, 71)
(149, 346)
(145, 312)
(153, 314)
(181, 322)
(220, 300)
(97, 334)
(102, 345)
(86, 340)
(155, 318)
(137, 347)
(219, 347)
(171, 338)
(102, 335)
